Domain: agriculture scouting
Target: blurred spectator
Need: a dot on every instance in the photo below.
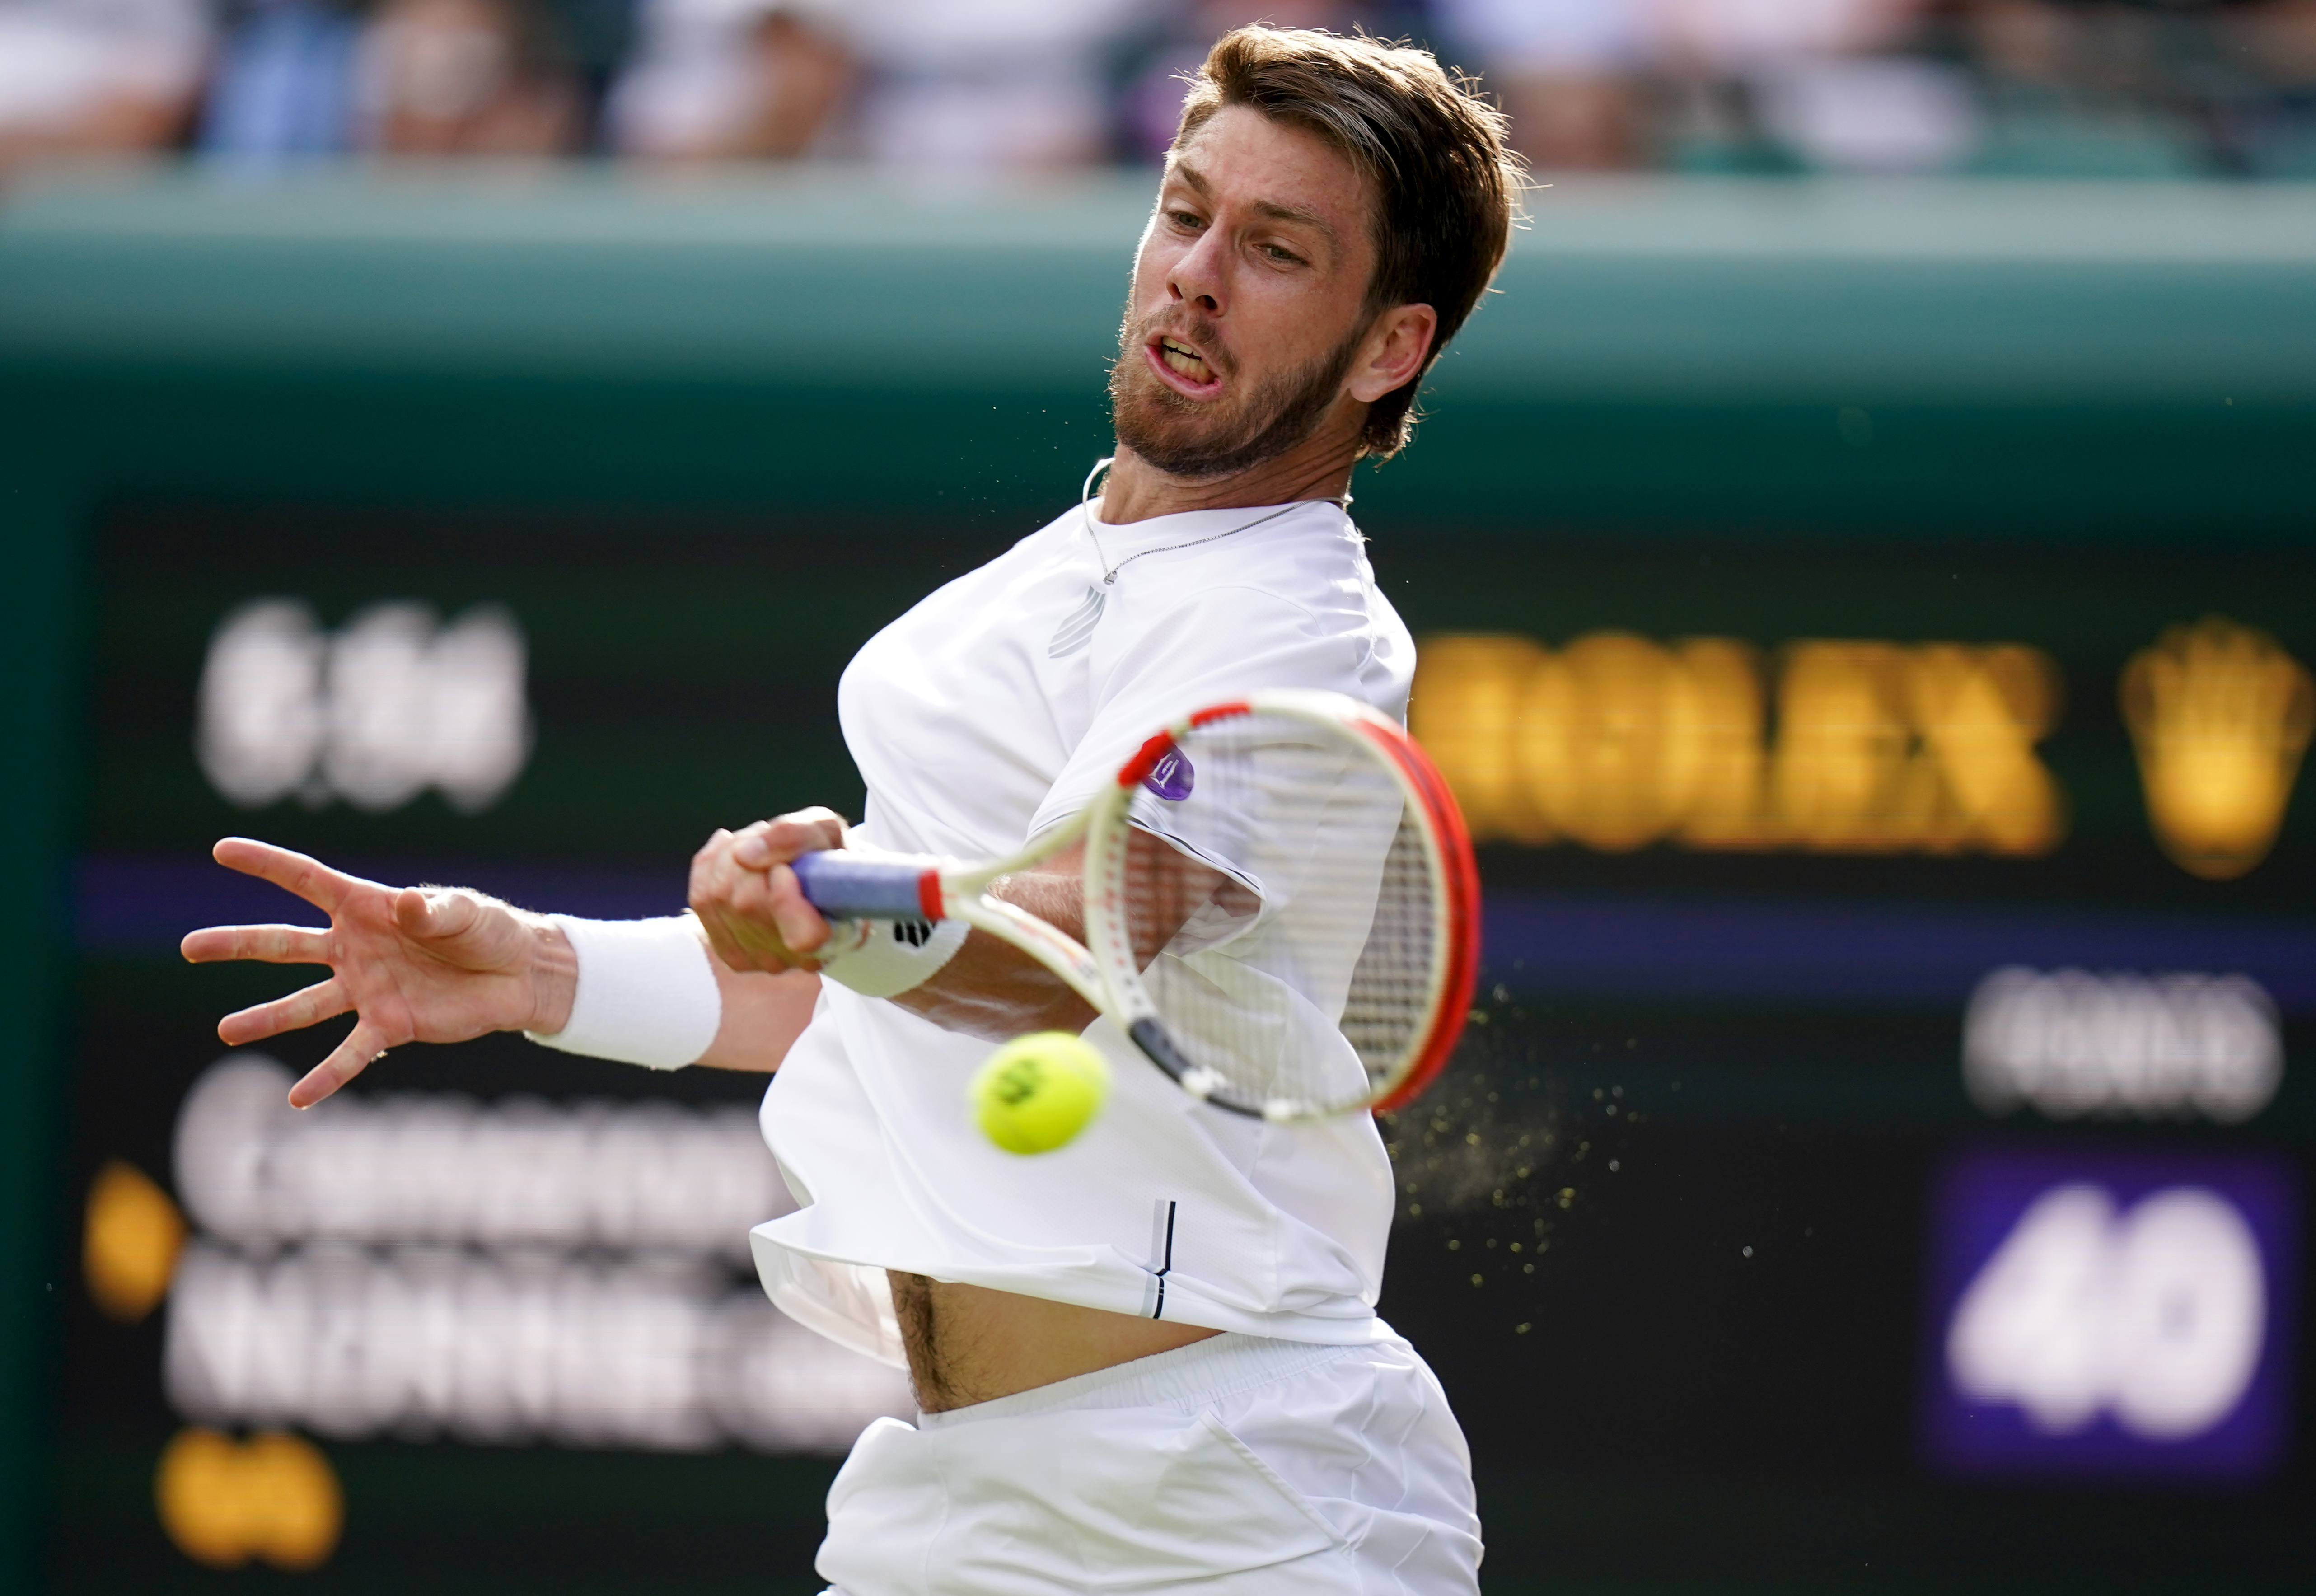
(1151, 63)
(1743, 84)
(2021, 39)
(284, 85)
(1722, 35)
(719, 79)
(2276, 133)
(596, 38)
(1001, 83)
(1013, 84)
(82, 77)
(1825, 85)
(416, 77)
(1569, 72)
(2102, 89)
(462, 78)
(2049, 87)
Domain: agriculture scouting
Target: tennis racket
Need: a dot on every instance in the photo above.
(1281, 906)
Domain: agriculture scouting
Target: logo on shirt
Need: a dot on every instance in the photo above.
(1173, 777)
(1076, 629)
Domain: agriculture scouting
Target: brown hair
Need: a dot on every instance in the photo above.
(1447, 184)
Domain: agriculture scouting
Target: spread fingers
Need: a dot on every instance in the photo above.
(272, 944)
(323, 1000)
(353, 1056)
(309, 878)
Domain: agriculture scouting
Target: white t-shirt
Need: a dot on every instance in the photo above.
(992, 711)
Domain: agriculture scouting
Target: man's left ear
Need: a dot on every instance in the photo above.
(1394, 351)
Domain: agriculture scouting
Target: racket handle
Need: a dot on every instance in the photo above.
(845, 885)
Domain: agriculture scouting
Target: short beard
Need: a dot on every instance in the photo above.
(1281, 414)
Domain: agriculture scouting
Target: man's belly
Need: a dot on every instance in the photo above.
(968, 1344)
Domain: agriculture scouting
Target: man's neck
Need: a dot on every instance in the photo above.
(1319, 468)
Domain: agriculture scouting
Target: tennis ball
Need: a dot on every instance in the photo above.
(1039, 1090)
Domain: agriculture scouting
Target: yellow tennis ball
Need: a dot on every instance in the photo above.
(1038, 1091)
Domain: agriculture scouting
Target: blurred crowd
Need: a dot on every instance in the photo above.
(2064, 87)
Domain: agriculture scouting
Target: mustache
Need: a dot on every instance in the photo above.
(1170, 431)
(1193, 329)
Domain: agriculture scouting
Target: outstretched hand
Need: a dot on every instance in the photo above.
(412, 964)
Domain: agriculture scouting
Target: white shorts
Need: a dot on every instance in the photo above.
(1260, 1467)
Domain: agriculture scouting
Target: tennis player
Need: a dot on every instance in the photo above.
(1150, 1359)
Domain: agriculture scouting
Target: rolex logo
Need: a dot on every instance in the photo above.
(2220, 716)
(1616, 741)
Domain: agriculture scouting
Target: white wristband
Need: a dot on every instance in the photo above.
(886, 958)
(647, 993)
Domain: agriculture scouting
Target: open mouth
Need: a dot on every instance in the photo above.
(1185, 364)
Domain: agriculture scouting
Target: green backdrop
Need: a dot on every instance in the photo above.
(2091, 407)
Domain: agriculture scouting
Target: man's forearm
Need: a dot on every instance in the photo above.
(993, 989)
(762, 1017)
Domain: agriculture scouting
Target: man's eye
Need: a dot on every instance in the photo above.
(1283, 254)
(1188, 218)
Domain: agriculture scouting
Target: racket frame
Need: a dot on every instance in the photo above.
(1455, 923)
(1103, 970)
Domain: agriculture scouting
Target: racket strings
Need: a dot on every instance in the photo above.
(1389, 1003)
(1284, 913)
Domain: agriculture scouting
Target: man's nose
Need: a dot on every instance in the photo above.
(1196, 277)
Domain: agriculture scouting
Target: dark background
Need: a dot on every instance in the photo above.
(695, 536)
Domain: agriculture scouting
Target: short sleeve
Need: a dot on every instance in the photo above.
(1219, 645)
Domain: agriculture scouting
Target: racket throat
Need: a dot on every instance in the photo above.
(1196, 1079)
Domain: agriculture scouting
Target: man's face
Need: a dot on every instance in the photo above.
(1249, 302)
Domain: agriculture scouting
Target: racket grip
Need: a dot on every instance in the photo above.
(846, 886)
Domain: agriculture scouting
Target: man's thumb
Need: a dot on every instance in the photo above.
(433, 914)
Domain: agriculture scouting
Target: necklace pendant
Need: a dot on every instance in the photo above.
(1076, 631)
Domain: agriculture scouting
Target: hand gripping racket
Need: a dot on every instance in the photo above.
(1281, 906)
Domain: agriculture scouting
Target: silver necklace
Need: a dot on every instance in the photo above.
(1076, 631)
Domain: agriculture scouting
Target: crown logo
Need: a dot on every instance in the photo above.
(2220, 716)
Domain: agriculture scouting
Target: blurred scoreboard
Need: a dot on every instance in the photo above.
(491, 1249)
(1818, 886)
(1880, 1153)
